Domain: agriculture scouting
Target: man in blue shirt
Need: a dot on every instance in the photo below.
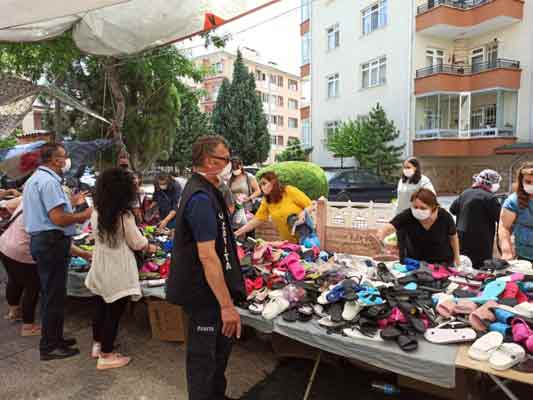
(50, 221)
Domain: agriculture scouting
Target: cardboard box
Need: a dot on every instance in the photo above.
(167, 321)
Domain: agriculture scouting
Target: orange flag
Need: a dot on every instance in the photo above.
(212, 21)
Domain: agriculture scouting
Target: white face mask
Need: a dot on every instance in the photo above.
(420, 215)
(237, 172)
(67, 166)
(408, 172)
(495, 187)
(163, 187)
(225, 174)
(528, 188)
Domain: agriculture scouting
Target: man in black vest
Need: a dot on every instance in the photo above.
(205, 276)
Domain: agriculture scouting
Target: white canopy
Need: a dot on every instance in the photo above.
(122, 29)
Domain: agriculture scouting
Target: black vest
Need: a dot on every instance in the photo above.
(186, 284)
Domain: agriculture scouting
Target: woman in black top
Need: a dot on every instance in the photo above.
(429, 230)
(166, 196)
(478, 210)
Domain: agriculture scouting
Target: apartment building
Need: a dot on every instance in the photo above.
(454, 75)
(279, 90)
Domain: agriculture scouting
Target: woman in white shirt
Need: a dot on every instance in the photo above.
(410, 182)
(113, 276)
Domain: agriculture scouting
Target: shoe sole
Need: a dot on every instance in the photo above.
(52, 358)
(104, 367)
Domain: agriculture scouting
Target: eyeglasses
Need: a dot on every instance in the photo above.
(227, 159)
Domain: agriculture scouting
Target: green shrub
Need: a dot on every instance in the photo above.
(306, 176)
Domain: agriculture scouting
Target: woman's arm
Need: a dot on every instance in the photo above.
(454, 242)
(250, 226)
(78, 252)
(134, 239)
(163, 224)
(507, 219)
(256, 190)
(387, 230)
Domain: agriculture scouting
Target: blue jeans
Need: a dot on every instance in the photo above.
(51, 251)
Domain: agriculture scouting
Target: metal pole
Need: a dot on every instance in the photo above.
(504, 388)
(313, 375)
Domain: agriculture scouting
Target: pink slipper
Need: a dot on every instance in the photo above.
(465, 307)
(479, 318)
(521, 330)
(446, 308)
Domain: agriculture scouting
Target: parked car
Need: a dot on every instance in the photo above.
(359, 185)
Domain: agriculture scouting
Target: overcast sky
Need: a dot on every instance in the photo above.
(273, 31)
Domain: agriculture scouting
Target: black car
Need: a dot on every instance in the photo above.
(359, 185)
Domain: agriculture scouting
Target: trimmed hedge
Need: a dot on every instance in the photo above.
(306, 176)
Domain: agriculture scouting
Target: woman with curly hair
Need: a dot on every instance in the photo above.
(517, 217)
(113, 276)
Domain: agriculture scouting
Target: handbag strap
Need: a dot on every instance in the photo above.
(13, 218)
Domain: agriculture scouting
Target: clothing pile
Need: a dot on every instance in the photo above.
(357, 297)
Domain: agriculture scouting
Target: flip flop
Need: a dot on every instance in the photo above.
(524, 310)
(407, 343)
(526, 365)
(328, 323)
(491, 291)
(351, 310)
(441, 335)
(354, 333)
(256, 308)
(409, 311)
(504, 329)
(483, 347)
(507, 356)
(483, 317)
(291, 315)
(384, 274)
(335, 312)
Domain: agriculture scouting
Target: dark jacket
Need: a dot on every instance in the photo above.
(187, 284)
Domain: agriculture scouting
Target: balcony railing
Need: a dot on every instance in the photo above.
(455, 69)
(473, 133)
(461, 4)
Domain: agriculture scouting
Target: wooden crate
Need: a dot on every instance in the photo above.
(167, 321)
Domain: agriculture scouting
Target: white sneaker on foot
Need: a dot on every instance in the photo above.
(114, 360)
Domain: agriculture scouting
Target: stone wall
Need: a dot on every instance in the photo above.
(451, 175)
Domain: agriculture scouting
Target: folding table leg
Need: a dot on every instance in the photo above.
(313, 374)
(504, 388)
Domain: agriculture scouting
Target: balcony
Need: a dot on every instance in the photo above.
(465, 125)
(463, 19)
(500, 73)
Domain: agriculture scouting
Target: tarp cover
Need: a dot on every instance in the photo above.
(131, 27)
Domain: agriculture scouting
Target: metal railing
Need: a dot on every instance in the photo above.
(454, 133)
(461, 4)
(457, 69)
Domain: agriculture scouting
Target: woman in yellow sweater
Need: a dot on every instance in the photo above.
(278, 203)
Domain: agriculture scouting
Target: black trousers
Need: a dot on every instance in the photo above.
(22, 287)
(476, 246)
(51, 251)
(208, 353)
(105, 321)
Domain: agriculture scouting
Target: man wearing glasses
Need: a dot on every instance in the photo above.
(50, 221)
(205, 276)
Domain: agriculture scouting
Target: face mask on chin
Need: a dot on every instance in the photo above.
(225, 174)
(237, 172)
(495, 187)
(163, 187)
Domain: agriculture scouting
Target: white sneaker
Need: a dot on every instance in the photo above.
(114, 360)
(96, 350)
(275, 307)
(351, 310)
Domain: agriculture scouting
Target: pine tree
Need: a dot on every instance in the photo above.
(192, 124)
(386, 156)
(294, 152)
(369, 140)
(238, 116)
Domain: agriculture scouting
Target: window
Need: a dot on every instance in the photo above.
(374, 73)
(306, 133)
(265, 97)
(260, 76)
(306, 92)
(375, 17)
(293, 85)
(306, 10)
(280, 81)
(276, 120)
(277, 100)
(333, 37)
(293, 104)
(277, 140)
(306, 48)
(273, 79)
(293, 123)
(476, 59)
(330, 128)
(218, 67)
(333, 86)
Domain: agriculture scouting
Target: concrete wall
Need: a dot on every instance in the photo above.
(392, 41)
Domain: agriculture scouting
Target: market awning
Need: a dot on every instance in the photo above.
(126, 28)
(23, 12)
